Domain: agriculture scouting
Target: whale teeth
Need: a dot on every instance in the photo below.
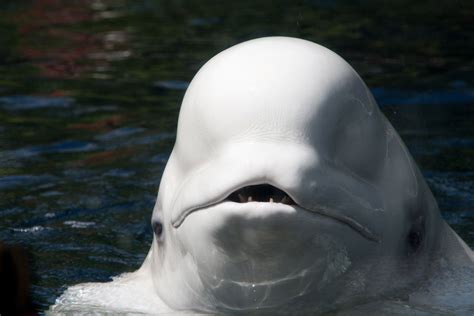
(260, 193)
(286, 200)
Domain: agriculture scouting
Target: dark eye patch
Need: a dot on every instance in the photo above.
(416, 236)
(157, 228)
(415, 239)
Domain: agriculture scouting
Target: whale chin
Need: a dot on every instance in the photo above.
(262, 255)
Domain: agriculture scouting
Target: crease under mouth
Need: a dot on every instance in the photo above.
(270, 194)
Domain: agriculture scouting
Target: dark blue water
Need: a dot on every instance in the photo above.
(90, 93)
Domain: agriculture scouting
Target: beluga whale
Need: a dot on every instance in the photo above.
(287, 190)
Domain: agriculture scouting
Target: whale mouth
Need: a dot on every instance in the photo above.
(272, 196)
(260, 193)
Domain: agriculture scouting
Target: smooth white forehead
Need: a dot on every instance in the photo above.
(268, 89)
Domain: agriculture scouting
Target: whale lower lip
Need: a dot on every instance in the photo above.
(326, 212)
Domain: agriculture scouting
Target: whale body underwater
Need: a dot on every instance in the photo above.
(289, 191)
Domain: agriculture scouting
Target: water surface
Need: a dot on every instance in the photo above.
(90, 93)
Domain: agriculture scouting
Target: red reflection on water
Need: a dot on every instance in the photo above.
(107, 157)
(52, 39)
(104, 124)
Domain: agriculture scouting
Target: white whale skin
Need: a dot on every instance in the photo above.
(291, 114)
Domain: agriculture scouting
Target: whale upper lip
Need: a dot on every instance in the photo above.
(266, 193)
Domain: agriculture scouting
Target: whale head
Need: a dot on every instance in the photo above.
(286, 186)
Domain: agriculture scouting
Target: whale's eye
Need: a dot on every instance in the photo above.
(260, 193)
(415, 239)
(416, 236)
(157, 228)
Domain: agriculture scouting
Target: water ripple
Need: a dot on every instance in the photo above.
(14, 181)
(120, 132)
(33, 229)
(171, 85)
(79, 224)
(25, 102)
(406, 97)
(66, 146)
